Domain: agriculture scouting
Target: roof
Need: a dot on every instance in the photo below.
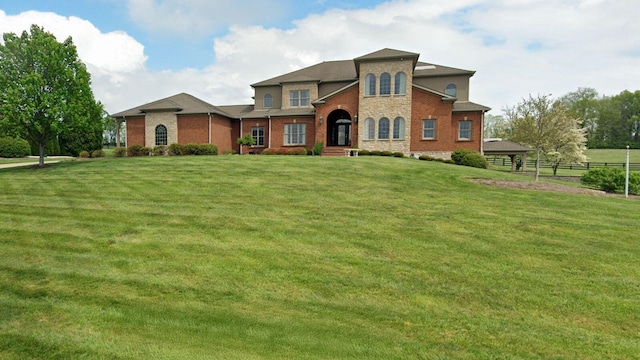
(345, 70)
(260, 114)
(499, 146)
(324, 98)
(461, 106)
(184, 103)
(328, 71)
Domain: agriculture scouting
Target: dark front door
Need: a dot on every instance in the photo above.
(340, 133)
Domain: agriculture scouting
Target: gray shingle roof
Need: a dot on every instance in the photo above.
(261, 114)
(503, 146)
(460, 106)
(184, 104)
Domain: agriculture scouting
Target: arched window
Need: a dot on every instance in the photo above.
(369, 129)
(370, 85)
(385, 84)
(400, 84)
(451, 90)
(161, 135)
(383, 128)
(398, 128)
(268, 101)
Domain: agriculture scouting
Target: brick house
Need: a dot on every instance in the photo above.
(386, 100)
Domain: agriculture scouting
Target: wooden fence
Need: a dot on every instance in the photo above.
(531, 164)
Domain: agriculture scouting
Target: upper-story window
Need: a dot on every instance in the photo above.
(383, 128)
(268, 101)
(161, 135)
(398, 128)
(400, 84)
(369, 85)
(298, 98)
(385, 84)
(451, 90)
(369, 129)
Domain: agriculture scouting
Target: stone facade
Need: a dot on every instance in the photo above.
(390, 106)
(153, 119)
(287, 88)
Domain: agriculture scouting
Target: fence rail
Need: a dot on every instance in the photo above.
(531, 164)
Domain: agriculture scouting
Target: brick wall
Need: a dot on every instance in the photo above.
(277, 131)
(347, 100)
(193, 129)
(247, 126)
(135, 131)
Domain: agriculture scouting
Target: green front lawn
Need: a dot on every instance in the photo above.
(299, 257)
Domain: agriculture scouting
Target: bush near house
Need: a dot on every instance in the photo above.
(14, 148)
(97, 154)
(119, 152)
(611, 180)
(468, 157)
(138, 150)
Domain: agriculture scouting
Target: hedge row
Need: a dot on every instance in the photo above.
(284, 151)
(173, 149)
(611, 180)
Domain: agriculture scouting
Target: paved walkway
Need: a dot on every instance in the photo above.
(48, 160)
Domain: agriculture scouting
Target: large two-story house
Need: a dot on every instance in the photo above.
(386, 100)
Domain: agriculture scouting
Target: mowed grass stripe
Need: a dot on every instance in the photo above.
(307, 257)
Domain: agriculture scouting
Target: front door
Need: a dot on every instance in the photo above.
(341, 135)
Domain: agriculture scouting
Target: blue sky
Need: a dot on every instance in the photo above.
(141, 50)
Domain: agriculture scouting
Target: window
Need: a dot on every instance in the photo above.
(400, 84)
(369, 129)
(161, 135)
(398, 128)
(385, 84)
(268, 101)
(428, 129)
(299, 98)
(294, 134)
(451, 90)
(257, 133)
(464, 132)
(369, 85)
(383, 128)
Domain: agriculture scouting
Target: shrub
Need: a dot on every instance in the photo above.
(206, 149)
(386, 153)
(468, 157)
(364, 152)
(375, 153)
(160, 150)
(398, 154)
(228, 152)
(83, 154)
(268, 151)
(449, 161)
(119, 152)
(176, 149)
(458, 154)
(611, 180)
(302, 151)
(14, 148)
(97, 154)
(438, 160)
(425, 157)
(137, 150)
(317, 148)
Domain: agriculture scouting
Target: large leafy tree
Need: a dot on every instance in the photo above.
(45, 93)
(548, 127)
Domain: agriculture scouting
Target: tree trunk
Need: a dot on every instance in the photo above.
(41, 159)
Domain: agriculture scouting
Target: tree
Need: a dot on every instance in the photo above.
(495, 126)
(45, 93)
(548, 127)
(583, 104)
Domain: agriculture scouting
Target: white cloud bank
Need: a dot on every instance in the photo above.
(516, 47)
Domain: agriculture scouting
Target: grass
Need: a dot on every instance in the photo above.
(271, 257)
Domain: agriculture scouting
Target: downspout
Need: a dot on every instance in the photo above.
(240, 136)
(482, 133)
(269, 131)
(209, 114)
(126, 137)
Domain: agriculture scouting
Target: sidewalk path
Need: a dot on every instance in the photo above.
(48, 160)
